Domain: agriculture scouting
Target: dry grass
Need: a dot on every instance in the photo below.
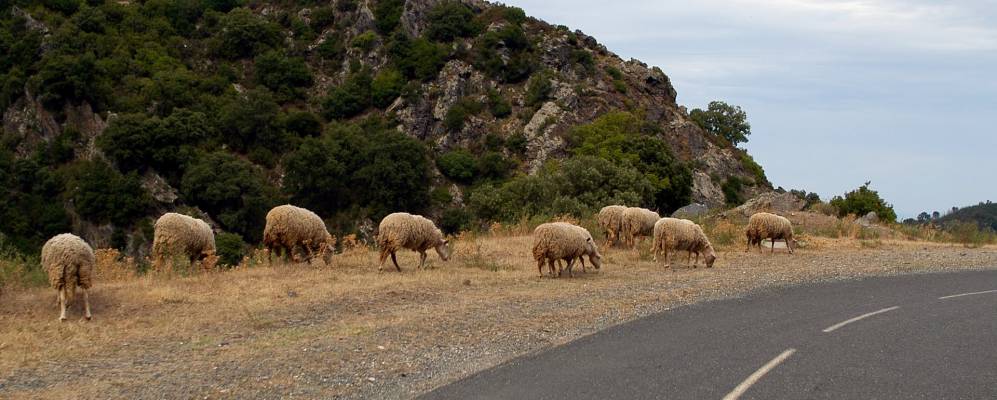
(317, 331)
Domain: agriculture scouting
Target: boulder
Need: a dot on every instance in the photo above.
(691, 211)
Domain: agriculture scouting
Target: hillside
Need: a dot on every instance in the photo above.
(116, 111)
(983, 215)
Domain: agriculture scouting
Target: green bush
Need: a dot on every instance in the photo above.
(450, 20)
(230, 248)
(302, 123)
(322, 17)
(459, 112)
(101, 194)
(732, 188)
(137, 141)
(251, 122)
(752, 167)
(494, 166)
(232, 190)
(458, 165)
(498, 105)
(517, 61)
(351, 5)
(418, 58)
(242, 34)
(538, 90)
(455, 220)
(387, 14)
(862, 201)
(332, 48)
(286, 76)
(386, 87)
(364, 41)
(517, 143)
(349, 99)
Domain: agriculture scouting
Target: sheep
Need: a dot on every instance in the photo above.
(414, 232)
(769, 226)
(610, 218)
(289, 227)
(581, 258)
(638, 222)
(181, 234)
(69, 262)
(681, 234)
(555, 241)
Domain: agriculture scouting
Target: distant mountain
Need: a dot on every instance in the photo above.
(983, 214)
(117, 111)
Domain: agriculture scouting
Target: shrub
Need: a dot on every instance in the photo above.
(230, 248)
(754, 169)
(322, 17)
(455, 220)
(346, 5)
(494, 166)
(349, 99)
(459, 112)
(386, 87)
(450, 20)
(284, 75)
(416, 58)
(331, 48)
(243, 34)
(364, 41)
(302, 123)
(732, 188)
(517, 143)
(232, 190)
(458, 165)
(498, 105)
(387, 14)
(251, 121)
(723, 120)
(516, 65)
(538, 90)
(862, 201)
(101, 194)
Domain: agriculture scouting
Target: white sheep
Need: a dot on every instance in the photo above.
(610, 220)
(769, 226)
(681, 234)
(414, 232)
(178, 234)
(69, 262)
(636, 223)
(555, 241)
(289, 227)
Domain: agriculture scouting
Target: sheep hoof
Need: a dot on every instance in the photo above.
(88, 318)
(62, 319)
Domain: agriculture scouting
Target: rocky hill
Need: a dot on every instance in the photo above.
(115, 111)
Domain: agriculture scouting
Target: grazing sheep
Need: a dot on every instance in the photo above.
(414, 232)
(177, 234)
(289, 227)
(769, 226)
(610, 218)
(581, 258)
(69, 260)
(638, 222)
(563, 241)
(681, 234)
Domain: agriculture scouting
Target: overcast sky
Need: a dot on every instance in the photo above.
(900, 93)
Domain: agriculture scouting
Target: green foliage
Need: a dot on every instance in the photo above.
(862, 201)
(364, 41)
(723, 120)
(417, 58)
(983, 214)
(347, 5)
(506, 54)
(455, 220)
(458, 165)
(251, 122)
(614, 73)
(242, 34)
(583, 58)
(332, 48)
(494, 166)
(625, 139)
(810, 198)
(577, 186)
(137, 141)
(387, 14)
(753, 168)
(450, 20)
(386, 87)
(349, 99)
(232, 190)
(733, 188)
(100, 194)
(71, 78)
(230, 248)
(459, 112)
(498, 105)
(538, 90)
(322, 17)
(302, 123)
(26, 208)
(286, 76)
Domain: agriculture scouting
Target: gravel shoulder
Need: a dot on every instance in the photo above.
(346, 331)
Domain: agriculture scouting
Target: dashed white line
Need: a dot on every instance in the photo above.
(834, 327)
(744, 386)
(966, 294)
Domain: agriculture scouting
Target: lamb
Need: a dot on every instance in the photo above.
(414, 232)
(181, 234)
(289, 227)
(555, 241)
(681, 234)
(69, 261)
(610, 218)
(769, 226)
(637, 223)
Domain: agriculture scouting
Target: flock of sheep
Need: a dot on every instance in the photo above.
(69, 260)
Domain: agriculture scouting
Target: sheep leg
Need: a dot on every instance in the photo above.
(540, 267)
(773, 246)
(86, 304)
(550, 267)
(582, 259)
(667, 263)
(422, 259)
(571, 263)
(697, 260)
(789, 246)
(62, 305)
(394, 260)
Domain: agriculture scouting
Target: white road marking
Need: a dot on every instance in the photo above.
(834, 327)
(744, 386)
(966, 294)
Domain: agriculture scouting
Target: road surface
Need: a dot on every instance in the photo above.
(928, 336)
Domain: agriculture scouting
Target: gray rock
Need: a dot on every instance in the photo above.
(691, 211)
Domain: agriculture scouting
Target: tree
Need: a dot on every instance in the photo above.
(862, 201)
(723, 120)
(924, 217)
(232, 190)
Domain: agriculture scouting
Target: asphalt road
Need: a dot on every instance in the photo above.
(790, 343)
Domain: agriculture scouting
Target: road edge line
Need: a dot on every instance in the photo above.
(757, 375)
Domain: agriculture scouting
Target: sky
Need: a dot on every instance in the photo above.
(838, 92)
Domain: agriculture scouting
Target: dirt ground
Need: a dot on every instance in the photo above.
(348, 331)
